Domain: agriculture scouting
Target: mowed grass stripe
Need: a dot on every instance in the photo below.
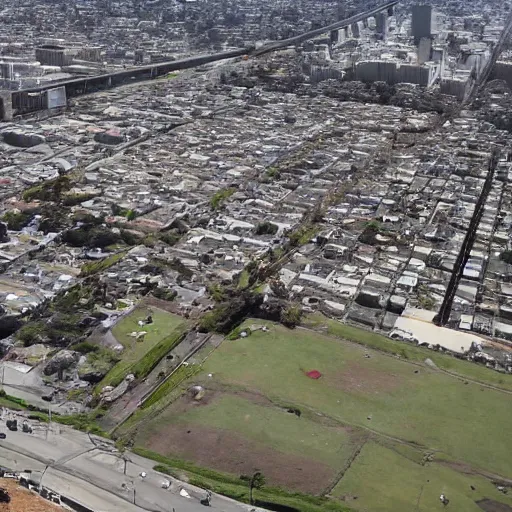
(383, 480)
(429, 408)
(412, 353)
(274, 427)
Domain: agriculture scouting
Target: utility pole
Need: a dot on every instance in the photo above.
(49, 418)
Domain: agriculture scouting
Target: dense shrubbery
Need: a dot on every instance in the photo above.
(94, 267)
(230, 313)
(87, 236)
(58, 331)
(164, 294)
(16, 221)
(266, 228)
(170, 237)
(220, 196)
(506, 256)
(50, 190)
(291, 316)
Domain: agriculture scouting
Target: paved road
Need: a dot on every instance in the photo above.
(91, 471)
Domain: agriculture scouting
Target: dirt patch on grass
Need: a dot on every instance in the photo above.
(467, 469)
(226, 451)
(165, 305)
(362, 379)
(493, 506)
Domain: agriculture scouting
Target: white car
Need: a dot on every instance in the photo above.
(403, 335)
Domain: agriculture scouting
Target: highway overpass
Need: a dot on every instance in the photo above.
(24, 101)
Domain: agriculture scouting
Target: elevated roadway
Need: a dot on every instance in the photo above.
(277, 45)
(33, 99)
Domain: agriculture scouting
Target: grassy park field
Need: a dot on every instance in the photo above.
(139, 357)
(381, 428)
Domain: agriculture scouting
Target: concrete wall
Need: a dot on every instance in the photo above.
(419, 75)
(376, 71)
(54, 56)
(394, 73)
(6, 113)
(321, 73)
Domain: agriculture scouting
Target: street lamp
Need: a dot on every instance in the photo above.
(48, 398)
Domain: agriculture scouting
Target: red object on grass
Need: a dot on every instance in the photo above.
(314, 374)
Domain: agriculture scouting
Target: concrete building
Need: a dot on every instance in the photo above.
(393, 72)
(424, 50)
(421, 22)
(382, 25)
(53, 55)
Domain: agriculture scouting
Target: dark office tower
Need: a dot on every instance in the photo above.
(381, 24)
(421, 22)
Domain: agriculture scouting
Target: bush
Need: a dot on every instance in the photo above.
(228, 315)
(217, 292)
(88, 236)
(69, 300)
(266, 228)
(53, 219)
(506, 256)
(220, 196)
(273, 173)
(144, 366)
(371, 230)
(50, 190)
(58, 331)
(167, 294)
(87, 218)
(84, 422)
(181, 374)
(16, 221)
(32, 332)
(170, 238)
(130, 215)
(129, 238)
(103, 237)
(75, 199)
(85, 347)
(302, 235)
(177, 265)
(95, 267)
(291, 316)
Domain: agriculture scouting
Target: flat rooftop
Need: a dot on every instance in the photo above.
(23, 500)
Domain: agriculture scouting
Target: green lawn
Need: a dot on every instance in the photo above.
(405, 410)
(410, 352)
(139, 357)
(271, 426)
(429, 408)
(410, 486)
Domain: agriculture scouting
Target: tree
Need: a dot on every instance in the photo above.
(291, 316)
(257, 482)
